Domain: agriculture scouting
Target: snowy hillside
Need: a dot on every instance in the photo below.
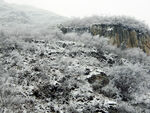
(71, 74)
(15, 14)
(43, 70)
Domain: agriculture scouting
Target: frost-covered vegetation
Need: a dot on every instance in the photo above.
(51, 72)
(43, 70)
(125, 21)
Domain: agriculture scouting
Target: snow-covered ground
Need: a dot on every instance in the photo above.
(69, 73)
(43, 70)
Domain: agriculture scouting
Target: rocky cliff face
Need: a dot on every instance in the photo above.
(120, 35)
(123, 36)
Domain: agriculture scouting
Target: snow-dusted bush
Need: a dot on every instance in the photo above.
(88, 40)
(125, 21)
(136, 55)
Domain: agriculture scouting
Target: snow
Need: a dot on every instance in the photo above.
(43, 70)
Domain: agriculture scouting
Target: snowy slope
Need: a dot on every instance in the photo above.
(15, 14)
(71, 74)
(43, 70)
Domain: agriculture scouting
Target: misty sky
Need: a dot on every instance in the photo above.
(80, 8)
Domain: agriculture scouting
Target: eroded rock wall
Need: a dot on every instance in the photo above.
(123, 36)
(120, 35)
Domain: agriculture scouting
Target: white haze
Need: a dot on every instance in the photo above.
(81, 8)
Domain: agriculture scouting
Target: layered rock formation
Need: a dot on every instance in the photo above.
(123, 36)
(119, 34)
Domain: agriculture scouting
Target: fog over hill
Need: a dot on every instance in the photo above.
(52, 64)
(15, 14)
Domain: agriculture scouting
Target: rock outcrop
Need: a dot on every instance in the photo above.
(119, 34)
(123, 36)
(98, 81)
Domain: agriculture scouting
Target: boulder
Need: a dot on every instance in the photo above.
(98, 81)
